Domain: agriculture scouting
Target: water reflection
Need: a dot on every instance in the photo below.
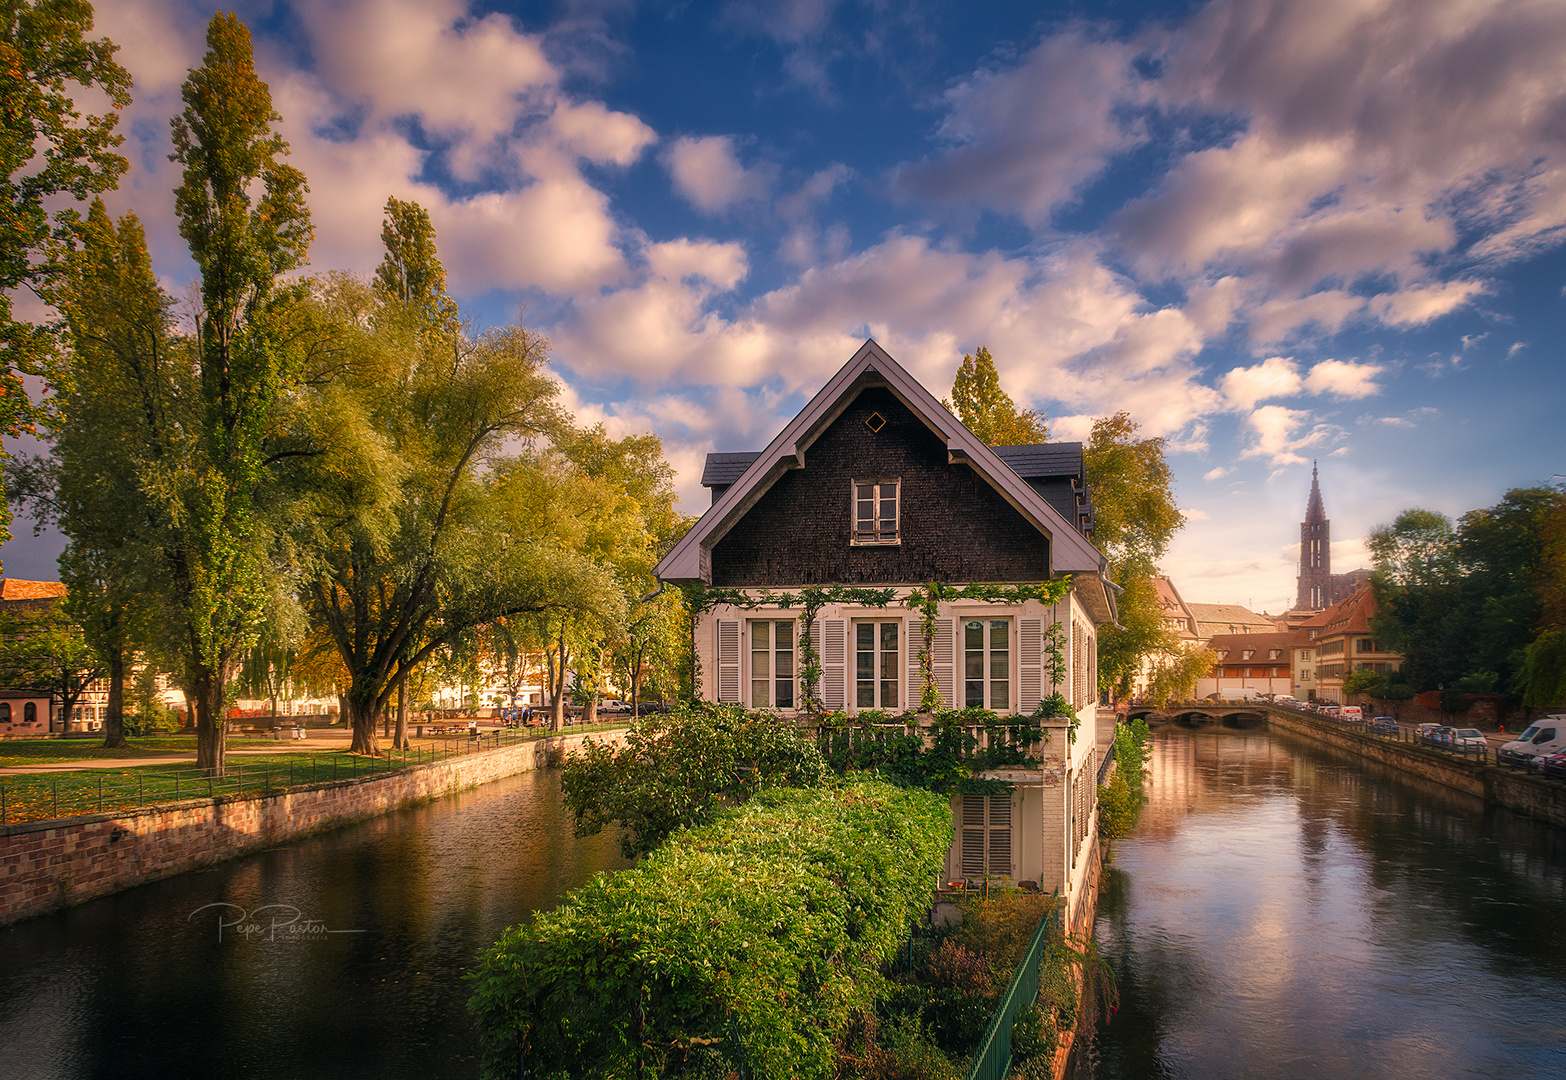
(366, 982)
(1285, 912)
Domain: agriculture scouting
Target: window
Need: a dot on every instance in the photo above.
(875, 665)
(1274, 654)
(772, 664)
(1247, 673)
(986, 663)
(1304, 654)
(1367, 645)
(30, 713)
(1247, 654)
(5, 712)
(986, 835)
(875, 511)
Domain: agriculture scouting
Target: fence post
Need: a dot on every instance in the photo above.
(57, 795)
(100, 793)
(2, 802)
(139, 800)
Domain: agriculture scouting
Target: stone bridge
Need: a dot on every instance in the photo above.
(1232, 714)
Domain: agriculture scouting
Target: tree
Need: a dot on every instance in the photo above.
(987, 411)
(224, 140)
(1176, 671)
(47, 150)
(121, 390)
(415, 526)
(1134, 518)
(45, 650)
(1419, 548)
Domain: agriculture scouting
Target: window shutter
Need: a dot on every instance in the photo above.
(834, 663)
(946, 660)
(1030, 665)
(728, 660)
(913, 643)
(972, 835)
(1000, 835)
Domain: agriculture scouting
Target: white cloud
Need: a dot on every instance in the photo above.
(1278, 435)
(1274, 377)
(1342, 378)
(1217, 473)
(708, 174)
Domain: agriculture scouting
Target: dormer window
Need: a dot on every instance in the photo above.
(875, 511)
(1247, 654)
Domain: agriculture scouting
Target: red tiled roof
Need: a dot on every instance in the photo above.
(17, 589)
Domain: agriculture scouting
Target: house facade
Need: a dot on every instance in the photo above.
(875, 486)
(1340, 642)
(1250, 664)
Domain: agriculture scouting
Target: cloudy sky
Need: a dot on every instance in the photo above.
(1272, 230)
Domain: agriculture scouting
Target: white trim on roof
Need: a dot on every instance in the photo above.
(691, 559)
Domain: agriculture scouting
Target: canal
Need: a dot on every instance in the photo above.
(335, 957)
(1281, 911)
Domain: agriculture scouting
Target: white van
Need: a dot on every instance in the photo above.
(1543, 737)
(1352, 714)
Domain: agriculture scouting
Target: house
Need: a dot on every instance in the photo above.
(1250, 664)
(1340, 641)
(875, 485)
(25, 712)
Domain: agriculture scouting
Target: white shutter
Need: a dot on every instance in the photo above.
(1000, 835)
(834, 663)
(972, 854)
(728, 660)
(945, 650)
(1030, 665)
(914, 642)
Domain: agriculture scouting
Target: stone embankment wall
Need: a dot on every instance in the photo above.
(1524, 793)
(50, 864)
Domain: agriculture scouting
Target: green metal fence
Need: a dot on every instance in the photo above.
(993, 1061)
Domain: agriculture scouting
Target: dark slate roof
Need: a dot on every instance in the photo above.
(1042, 459)
(724, 469)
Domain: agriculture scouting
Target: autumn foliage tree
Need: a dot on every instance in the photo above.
(987, 410)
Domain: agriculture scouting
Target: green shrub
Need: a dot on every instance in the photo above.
(678, 770)
(741, 946)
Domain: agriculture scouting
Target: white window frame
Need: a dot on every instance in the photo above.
(876, 536)
(987, 662)
(881, 662)
(771, 654)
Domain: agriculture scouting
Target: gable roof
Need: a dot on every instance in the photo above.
(17, 589)
(1231, 647)
(1212, 619)
(691, 558)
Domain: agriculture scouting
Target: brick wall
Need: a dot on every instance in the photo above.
(953, 527)
(49, 864)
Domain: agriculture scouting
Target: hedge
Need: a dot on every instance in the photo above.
(739, 947)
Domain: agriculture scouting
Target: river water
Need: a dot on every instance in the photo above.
(1281, 911)
(337, 957)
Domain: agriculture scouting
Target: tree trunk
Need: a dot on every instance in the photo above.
(363, 715)
(590, 713)
(114, 723)
(206, 696)
(557, 718)
(636, 692)
(400, 738)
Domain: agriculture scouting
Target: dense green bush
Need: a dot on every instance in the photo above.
(678, 770)
(740, 946)
(1120, 800)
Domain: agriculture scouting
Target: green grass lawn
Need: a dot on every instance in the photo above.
(54, 751)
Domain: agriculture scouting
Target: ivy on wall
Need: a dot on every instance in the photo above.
(926, 599)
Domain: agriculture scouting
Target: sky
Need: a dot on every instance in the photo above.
(1275, 232)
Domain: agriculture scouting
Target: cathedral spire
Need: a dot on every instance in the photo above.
(1314, 511)
(1315, 579)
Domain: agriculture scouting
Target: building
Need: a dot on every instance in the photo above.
(1337, 642)
(876, 485)
(1250, 664)
(1319, 588)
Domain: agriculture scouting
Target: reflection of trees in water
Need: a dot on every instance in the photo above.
(1157, 978)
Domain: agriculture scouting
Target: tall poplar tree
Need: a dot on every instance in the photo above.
(122, 391)
(225, 140)
(987, 410)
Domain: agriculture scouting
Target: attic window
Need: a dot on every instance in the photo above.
(875, 421)
(875, 506)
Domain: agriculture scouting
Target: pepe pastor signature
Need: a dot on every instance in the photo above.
(269, 922)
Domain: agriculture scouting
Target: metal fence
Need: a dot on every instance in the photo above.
(43, 796)
(993, 1060)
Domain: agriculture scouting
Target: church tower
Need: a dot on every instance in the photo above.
(1315, 553)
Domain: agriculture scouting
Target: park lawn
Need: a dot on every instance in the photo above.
(53, 751)
(36, 796)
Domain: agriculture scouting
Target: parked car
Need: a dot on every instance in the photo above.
(1436, 735)
(1384, 725)
(1469, 738)
(1554, 764)
(1351, 714)
(1542, 737)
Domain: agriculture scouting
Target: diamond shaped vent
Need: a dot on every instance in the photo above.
(875, 421)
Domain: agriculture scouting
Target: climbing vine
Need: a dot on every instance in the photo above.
(926, 599)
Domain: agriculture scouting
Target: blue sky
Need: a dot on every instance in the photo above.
(1272, 230)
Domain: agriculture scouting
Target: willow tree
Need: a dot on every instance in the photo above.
(416, 523)
(220, 538)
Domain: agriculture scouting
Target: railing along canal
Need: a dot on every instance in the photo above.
(39, 797)
(993, 1060)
